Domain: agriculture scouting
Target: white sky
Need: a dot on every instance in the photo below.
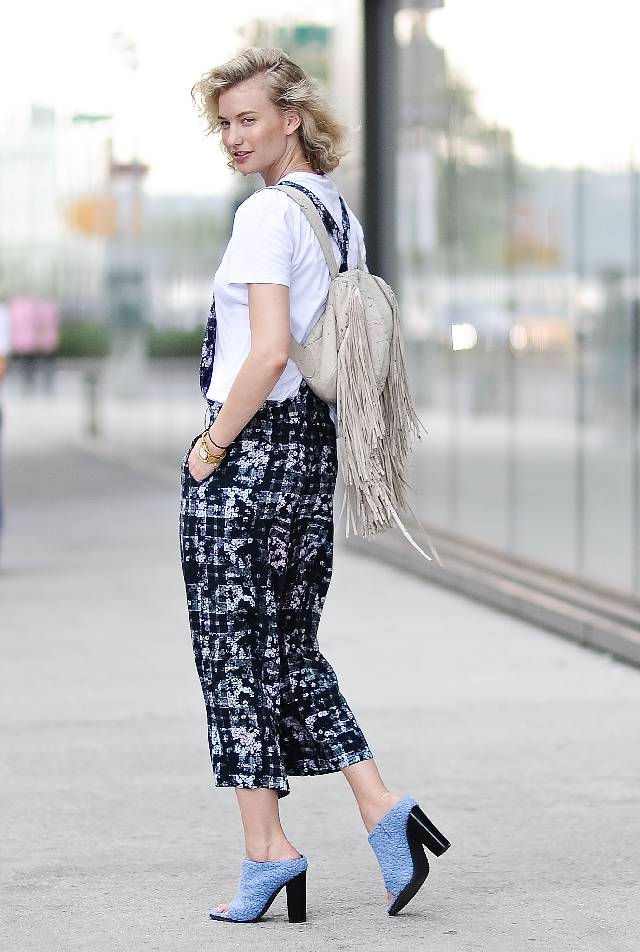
(60, 54)
(561, 73)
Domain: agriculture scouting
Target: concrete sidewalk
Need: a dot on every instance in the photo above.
(521, 746)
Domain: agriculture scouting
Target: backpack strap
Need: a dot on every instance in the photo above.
(341, 237)
(316, 222)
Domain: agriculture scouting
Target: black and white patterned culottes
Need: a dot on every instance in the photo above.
(256, 541)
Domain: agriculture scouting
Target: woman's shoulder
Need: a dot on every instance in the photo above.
(265, 212)
(262, 199)
(271, 211)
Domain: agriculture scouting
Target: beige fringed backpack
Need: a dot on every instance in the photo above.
(353, 359)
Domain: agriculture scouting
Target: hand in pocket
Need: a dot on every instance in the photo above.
(199, 470)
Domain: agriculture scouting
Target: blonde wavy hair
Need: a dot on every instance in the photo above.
(322, 136)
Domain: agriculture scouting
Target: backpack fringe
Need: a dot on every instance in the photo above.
(371, 459)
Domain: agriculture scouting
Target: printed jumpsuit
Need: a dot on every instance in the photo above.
(256, 545)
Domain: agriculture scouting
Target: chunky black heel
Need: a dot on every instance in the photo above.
(420, 827)
(397, 840)
(297, 898)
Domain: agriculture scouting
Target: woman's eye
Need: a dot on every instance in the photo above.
(248, 119)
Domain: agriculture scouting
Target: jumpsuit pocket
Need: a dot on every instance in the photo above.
(185, 472)
(200, 482)
(187, 477)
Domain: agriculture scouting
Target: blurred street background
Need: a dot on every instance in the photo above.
(494, 166)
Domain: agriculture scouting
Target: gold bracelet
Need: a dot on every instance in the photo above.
(206, 433)
(211, 439)
(206, 456)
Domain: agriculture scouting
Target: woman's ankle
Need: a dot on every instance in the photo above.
(373, 810)
(267, 852)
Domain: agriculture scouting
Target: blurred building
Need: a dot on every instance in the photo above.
(517, 276)
(30, 225)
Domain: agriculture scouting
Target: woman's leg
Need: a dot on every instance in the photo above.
(372, 796)
(264, 838)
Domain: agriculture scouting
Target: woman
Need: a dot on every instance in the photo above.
(256, 519)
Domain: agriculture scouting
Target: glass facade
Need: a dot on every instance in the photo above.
(517, 239)
(518, 231)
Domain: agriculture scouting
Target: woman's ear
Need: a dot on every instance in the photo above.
(293, 120)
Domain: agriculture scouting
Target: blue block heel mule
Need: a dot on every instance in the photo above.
(260, 883)
(397, 841)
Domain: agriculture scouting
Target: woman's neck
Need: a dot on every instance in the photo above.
(297, 163)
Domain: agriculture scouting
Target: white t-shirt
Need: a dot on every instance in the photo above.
(272, 242)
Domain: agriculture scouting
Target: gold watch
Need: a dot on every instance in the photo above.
(205, 455)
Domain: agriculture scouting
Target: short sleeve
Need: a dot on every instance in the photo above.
(260, 250)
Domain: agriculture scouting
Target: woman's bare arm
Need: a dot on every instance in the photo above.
(263, 366)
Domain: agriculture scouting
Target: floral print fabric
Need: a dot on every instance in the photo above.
(208, 350)
(256, 543)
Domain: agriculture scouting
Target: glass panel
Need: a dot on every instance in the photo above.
(517, 234)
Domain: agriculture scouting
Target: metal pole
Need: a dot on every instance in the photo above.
(91, 388)
(380, 138)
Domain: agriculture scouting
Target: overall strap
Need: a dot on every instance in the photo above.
(328, 221)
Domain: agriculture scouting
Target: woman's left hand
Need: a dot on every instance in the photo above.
(199, 470)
